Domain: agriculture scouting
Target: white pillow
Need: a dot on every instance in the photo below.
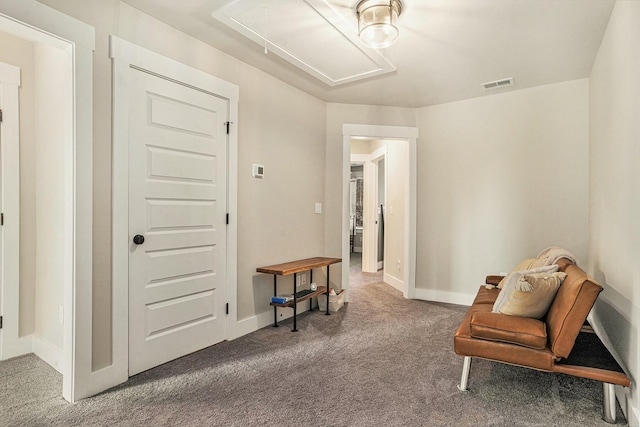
(533, 295)
(511, 281)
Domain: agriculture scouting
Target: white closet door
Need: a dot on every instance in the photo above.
(177, 204)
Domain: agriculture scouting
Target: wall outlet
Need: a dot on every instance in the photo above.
(398, 264)
(61, 315)
(303, 278)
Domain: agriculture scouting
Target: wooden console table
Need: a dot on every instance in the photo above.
(295, 267)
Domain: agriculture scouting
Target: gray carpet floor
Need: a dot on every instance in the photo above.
(381, 360)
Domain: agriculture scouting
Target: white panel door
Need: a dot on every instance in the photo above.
(177, 204)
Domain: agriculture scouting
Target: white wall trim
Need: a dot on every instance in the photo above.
(9, 74)
(410, 134)
(34, 21)
(48, 352)
(262, 320)
(10, 206)
(125, 55)
(40, 17)
(394, 282)
(444, 296)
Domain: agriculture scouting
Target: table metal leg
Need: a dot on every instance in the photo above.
(310, 282)
(327, 313)
(295, 303)
(275, 309)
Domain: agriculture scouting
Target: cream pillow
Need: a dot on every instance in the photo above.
(525, 264)
(533, 294)
(512, 280)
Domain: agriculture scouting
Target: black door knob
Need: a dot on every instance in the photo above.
(138, 239)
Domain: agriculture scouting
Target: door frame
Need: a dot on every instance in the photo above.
(380, 264)
(409, 134)
(34, 21)
(124, 56)
(10, 343)
(370, 206)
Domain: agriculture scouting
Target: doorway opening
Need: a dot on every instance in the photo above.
(367, 197)
(387, 155)
(46, 190)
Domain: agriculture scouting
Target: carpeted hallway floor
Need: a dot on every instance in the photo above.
(381, 360)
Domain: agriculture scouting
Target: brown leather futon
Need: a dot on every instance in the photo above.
(559, 342)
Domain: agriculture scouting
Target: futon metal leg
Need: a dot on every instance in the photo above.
(609, 407)
(464, 380)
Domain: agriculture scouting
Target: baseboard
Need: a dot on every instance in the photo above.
(49, 353)
(394, 282)
(444, 296)
(17, 348)
(259, 321)
(630, 412)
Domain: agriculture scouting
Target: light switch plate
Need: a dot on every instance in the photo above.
(257, 171)
(318, 208)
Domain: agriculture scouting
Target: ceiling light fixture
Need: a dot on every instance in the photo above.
(377, 22)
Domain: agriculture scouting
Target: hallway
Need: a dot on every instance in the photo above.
(356, 277)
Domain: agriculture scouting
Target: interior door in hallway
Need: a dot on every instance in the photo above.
(177, 220)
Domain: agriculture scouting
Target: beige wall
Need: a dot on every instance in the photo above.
(359, 146)
(279, 127)
(500, 178)
(52, 109)
(614, 181)
(19, 52)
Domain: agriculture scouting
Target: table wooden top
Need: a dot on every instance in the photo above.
(297, 266)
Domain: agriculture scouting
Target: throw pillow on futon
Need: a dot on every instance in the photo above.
(512, 279)
(533, 295)
(525, 264)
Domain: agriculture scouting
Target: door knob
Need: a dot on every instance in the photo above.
(138, 239)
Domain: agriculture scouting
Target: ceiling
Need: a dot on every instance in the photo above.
(445, 51)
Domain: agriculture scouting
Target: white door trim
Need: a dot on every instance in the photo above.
(34, 21)
(125, 55)
(410, 134)
(10, 345)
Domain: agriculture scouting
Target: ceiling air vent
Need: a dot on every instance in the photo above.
(498, 83)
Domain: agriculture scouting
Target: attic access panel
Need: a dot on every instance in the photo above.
(310, 34)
